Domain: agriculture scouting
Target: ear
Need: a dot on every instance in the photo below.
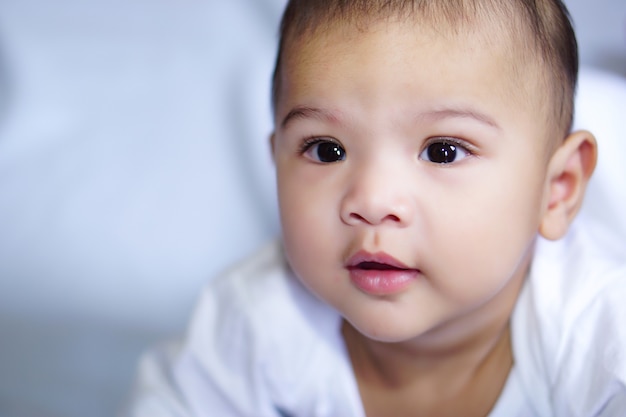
(272, 139)
(568, 173)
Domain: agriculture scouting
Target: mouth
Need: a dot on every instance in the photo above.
(379, 261)
(380, 274)
(375, 266)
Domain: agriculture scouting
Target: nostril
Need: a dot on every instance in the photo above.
(392, 217)
(357, 217)
(366, 209)
(363, 219)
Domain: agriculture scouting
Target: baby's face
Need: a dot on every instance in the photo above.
(411, 177)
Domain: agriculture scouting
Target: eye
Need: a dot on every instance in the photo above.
(323, 150)
(444, 151)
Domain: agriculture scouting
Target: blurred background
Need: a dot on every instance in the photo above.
(134, 166)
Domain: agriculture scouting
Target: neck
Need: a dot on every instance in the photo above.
(401, 380)
(401, 364)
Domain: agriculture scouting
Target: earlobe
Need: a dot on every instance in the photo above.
(569, 171)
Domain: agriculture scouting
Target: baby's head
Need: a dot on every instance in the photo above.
(420, 148)
(535, 35)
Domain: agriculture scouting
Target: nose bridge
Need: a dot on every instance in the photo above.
(378, 192)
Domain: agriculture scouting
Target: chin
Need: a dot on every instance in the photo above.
(385, 333)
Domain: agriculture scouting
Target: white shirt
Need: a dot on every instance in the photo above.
(260, 345)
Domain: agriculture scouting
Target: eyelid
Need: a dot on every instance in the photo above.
(309, 142)
(471, 149)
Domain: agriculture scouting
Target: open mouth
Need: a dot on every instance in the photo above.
(379, 261)
(380, 274)
(376, 266)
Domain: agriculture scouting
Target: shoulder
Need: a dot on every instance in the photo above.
(568, 327)
(569, 276)
(259, 333)
(258, 344)
(572, 276)
(256, 282)
(259, 298)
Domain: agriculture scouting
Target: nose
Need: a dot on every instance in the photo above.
(377, 196)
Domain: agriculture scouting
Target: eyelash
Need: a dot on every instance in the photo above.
(308, 143)
(470, 149)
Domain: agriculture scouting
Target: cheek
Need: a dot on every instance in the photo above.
(308, 195)
(309, 226)
(483, 240)
(312, 249)
(301, 203)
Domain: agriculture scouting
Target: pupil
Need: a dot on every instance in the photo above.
(330, 152)
(442, 153)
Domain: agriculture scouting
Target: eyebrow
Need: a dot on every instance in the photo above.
(303, 112)
(465, 113)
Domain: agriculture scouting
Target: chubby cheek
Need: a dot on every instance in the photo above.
(304, 210)
(482, 242)
(309, 221)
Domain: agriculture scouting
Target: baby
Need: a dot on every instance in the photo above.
(426, 174)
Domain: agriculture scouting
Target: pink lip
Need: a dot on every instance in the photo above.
(379, 273)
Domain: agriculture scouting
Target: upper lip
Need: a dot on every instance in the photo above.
(378, 260)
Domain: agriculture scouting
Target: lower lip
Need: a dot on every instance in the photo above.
(382, 282)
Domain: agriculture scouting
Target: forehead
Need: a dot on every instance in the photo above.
(406, 62)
